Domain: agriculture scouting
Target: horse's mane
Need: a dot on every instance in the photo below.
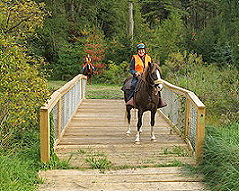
(150, 69)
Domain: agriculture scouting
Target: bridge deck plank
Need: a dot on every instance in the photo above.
(98, 129)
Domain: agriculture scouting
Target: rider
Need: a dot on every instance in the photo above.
(87, 60)
(137, 65)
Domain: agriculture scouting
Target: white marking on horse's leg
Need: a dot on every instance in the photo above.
(135, 113)
(129, 130)
(140, 130)
(137, 140)
(153, 138)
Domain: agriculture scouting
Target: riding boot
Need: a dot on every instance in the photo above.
(161, 102)
(131, 92)
(131, 102)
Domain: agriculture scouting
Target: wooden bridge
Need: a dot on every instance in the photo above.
(92, 133)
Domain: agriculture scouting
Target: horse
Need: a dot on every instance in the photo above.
(88, 71)
(146, 97)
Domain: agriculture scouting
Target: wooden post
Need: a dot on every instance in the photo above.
(200, 134)
(45, 135)
(187, 115)
(81, 87)
(59, 118)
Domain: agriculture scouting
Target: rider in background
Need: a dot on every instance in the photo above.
(87, 60)
(137, 65)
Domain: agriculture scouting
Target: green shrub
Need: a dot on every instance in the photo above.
(22, 91)
(215, 87)
(114, 74)
(69, 62)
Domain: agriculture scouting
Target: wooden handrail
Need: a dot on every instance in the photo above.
(56, 100)
(191, 101)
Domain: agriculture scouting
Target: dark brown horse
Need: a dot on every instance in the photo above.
(145, 97)
(88, 71)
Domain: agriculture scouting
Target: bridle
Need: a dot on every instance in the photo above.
(154, 82)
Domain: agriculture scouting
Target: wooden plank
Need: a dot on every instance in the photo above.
(92, 132)
(45, 135)
(200, 135)
(168, 179)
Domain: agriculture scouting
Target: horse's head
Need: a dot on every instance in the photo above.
(152, 75)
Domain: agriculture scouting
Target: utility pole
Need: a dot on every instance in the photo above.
(131, 20)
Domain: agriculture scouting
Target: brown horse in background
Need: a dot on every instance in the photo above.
(146, 97)
(88, 71)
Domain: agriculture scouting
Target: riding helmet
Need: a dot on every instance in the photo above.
(141, 46)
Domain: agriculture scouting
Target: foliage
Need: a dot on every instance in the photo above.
(81, 25)
(115, 74)
(220, 165)
(218, 40)
(95, 47)
(20, 18)
(68, 63)
(22, 90)
(104, 91)
(167, 37)
(99, 161)
(155, 12)
(119, 50)
(216, 88)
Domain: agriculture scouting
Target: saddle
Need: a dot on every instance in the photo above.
(127, 84)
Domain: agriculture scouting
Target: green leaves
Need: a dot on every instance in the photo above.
(23, 89)
(20, 17)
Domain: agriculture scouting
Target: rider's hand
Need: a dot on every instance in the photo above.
(137, 74)
(160, 87)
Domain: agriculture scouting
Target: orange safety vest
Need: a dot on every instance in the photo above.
(139, 65)
(87, 59)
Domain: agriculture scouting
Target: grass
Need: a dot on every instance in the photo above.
(94, 91)
(99, 161)
(102, 91)
(19, 165)
(221, 161)
(177, 150)
(16, 174)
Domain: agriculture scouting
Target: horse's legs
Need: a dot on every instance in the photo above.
(128, 117)
(90, 79)
(139, 125)
(152, 125)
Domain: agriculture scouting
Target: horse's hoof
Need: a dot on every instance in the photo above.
(137, 142)
(171, 132)
(153, 140)
(128, 134)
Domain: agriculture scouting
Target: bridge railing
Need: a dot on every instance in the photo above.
(186, 113)
(58, 110)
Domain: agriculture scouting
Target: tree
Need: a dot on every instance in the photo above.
(95, 47)
(20, 18)
(168, 37)
(23, 89)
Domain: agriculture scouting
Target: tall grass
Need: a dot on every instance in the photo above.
(17, 174)
(20, 163)
(221, 163)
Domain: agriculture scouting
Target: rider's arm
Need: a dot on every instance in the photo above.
(132, 66)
